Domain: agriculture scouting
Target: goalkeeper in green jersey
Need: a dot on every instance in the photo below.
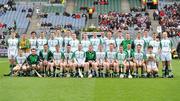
(121, 58)
(127, 41)
(33, 61)
(91, 65)
(46, 58)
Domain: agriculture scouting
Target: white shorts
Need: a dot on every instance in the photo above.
(166, 56)
(80, 61)
(12, 53)
(57, 62)
(151, 65)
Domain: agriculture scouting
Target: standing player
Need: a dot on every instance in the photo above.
(109, 41)
(24, 45)
(41, 41)
(95, 41)
(69, 63)
(85, 42)
(119, 40)
(12, 51)
(20, 64)
(58, 61)
(155, 43)
(79, 58)
(121, 58)
(103, 39)
(91, 65)
(152, 69)
(166, 47)
(67, 38)
(112, 64)
(129, 61)
(59, 38)
(146, 38)
(139, 61)
(52, 42)
(74, 43)
(127, 41)
(46, 58)
(33, 40)
(100, 59)
(140, 41)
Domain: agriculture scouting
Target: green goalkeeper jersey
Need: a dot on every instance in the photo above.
(90, 56)
(126, 42)
(33, 59)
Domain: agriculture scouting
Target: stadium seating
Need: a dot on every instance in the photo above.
(135, 3)
(114, 5)
(3, 1)
(53, 8)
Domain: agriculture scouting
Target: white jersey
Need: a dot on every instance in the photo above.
(40, 43)
(85, 44)
(139, 56)
(118, 42)
(74, 44)
(141, 42)
(111, 56)
(52, 44)
(67, 40)
(79, 56)
(103, 40)
(33, 43)
(20, 60)
(108, 42)
(165, 45)
(148, 55)
(60, 41)
(156, 46)
(13, 43)
(95, 42)
(57, 55)
(100, 56)
(147, 39)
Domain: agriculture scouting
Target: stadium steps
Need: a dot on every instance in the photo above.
(70, 6)
(155, 23)
(125, 7)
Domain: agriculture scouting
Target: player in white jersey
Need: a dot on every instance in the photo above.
(74, 43)
(121, 58)
(12, 51)
(146, 38)
(69, 62)
(112, 64)
(119, 40)
(58, 61)
(85, 42)
(59, 38)
(155, 43)
(33, 40)
(95, 41)
(103, 39)
(109, 41)
(52, 42)
(152, 69)
(100, 60)
(79, 59)
(166, 47)
(139, 60)
(140, 41)
(41, 41)
(20, 63)
(67, 38)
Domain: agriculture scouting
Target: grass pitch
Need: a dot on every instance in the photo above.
(95, 89)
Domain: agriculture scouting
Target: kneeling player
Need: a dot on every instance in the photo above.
(57, 61)
(152, 68)
(91, 65)
(112, 64)
(129, 61)
(100, 59)
(46, 58)
(69, 62)
(33, 62)
(139, 61)
(20, 64)
(79, 58)
(121, 58)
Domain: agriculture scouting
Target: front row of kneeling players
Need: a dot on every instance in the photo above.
(88, 64)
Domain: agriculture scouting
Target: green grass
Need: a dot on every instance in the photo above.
(71, 89)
